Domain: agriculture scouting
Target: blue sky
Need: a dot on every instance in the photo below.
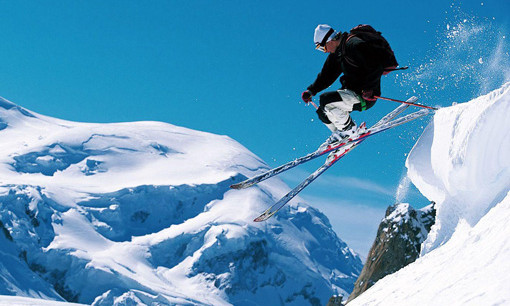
(238, 68)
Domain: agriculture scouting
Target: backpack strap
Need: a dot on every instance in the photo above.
(343, 42)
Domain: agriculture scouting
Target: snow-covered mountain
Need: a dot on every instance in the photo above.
(142, 213)
(462, 161)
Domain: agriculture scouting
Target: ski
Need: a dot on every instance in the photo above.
(289, 196)
(332, 159)
(321, 151)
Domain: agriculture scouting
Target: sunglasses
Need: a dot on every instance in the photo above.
(320, 47)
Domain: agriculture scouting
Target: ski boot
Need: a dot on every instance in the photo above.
(333, 138)
(350, 131)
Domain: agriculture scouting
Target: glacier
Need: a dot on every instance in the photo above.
(141, 213)
(462, 163)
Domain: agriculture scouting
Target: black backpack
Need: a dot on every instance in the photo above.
(380, 45)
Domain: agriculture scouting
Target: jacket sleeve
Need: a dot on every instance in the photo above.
(329, 73)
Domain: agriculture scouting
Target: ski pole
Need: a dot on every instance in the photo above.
(410, 103)
(395, 69)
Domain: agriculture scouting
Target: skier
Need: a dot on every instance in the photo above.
(363, 56)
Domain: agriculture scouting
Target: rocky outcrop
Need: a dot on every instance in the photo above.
(335, 300)
(398, 243)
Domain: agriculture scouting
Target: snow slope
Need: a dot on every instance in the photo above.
(462, 162)
(6, 300)
(142, 213)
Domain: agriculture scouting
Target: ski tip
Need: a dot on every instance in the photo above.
(236, 186)
(263, 217)
(412, 99)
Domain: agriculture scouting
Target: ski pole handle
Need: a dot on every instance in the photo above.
(405, 102)
(314, 105)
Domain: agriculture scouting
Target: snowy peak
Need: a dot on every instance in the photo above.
(6, 105)
(461, 162)
(144, 209)
(399, 214)
(41, 150)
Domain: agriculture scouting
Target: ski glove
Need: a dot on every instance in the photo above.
(389, 69)
(307, 96)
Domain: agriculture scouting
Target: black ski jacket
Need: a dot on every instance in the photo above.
(361, 63)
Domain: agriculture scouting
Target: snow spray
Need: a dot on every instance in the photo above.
(402, 189)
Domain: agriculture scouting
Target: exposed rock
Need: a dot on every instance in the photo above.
(335, 300)
(398, 243)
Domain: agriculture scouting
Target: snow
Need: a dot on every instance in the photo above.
(142, 213)
(466, 167)
(25, 301)
(460, 162)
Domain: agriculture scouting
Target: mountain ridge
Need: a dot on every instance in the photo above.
(142, 213)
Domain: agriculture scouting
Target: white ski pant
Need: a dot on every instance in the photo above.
(337, 107)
